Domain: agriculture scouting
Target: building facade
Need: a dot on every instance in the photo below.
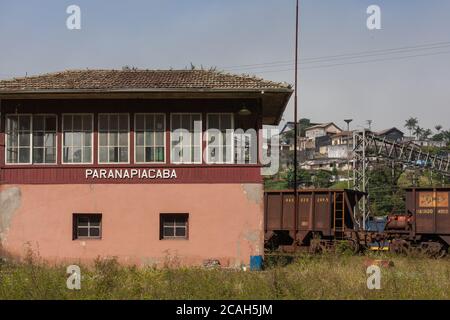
(104, 163)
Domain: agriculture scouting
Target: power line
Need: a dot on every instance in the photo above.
(346, 56)
(355, 62)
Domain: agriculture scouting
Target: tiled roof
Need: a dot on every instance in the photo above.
(138, 80)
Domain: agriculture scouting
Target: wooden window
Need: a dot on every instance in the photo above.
(18, 139)
(173, 226)
(220, 138)
(77, 138)
(87, 226)
(44, 139)
(186, 138)
(150, 137)
(114, 141)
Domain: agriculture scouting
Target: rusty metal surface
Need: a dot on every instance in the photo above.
(316, 211)
(430, 207)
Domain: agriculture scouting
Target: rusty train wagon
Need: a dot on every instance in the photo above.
(425, 224)
(323, 215)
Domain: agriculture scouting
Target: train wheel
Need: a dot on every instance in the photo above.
(400, 246)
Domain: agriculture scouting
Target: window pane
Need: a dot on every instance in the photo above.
(103, 154)
(83, 221)
(67, 155)
(38, 139)
(87, 142)
(140, 154)
(180, 232)
(149, 155)
(83, 232)
(123, 154)
(168, 232)
(87, 122)
(113, 154)
(50, 140)
(225, 121)
(24, 155)
(68, 138)
(113, 122)
(159, 154)
(77, 124)
(149, 138)
(24, 139)
(213, 121)
(123, 122)
(77, 155)
(38, 155)
(139, 122)
(12, 123)
(103, 139)
(139, 138)
(103, 122)
(38, 123)
(12, 154)
(159, 119)
(50, 123)
(159, 138)
(113, 139)
(87, 154)
(94, 232)
(123, 139)
(77, 136)
(50, 155)
(24, 123)
(67, 123)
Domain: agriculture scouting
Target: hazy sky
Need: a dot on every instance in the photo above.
(233, 34)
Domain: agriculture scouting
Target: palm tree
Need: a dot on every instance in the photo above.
(418, 131)
(438, 128)
(411, 124)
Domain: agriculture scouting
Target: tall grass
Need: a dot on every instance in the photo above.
(305, 277)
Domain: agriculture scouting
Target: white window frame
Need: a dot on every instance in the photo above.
(164, 135)
(18, 145)
(56, 139)
(98, 138)
(200, 138)
(62, 138)
(231, 161)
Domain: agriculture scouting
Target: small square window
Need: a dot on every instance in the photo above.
(87, 226)
(173, 226)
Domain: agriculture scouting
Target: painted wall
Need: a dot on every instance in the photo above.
(225, 222)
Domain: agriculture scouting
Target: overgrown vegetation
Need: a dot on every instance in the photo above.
(305, 277)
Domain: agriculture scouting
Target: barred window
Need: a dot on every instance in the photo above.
(77, 138)
(113, 138)
(150, 137)
(18, 139)
(174, 226)
(87, 226)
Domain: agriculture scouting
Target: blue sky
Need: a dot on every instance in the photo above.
(232, 34)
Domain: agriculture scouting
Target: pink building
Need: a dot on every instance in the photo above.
(91, 165)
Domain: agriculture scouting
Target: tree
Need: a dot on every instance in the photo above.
(411, 124)
(322, 179)
(426, 134)
(438, 128)
(303, 178)
(418, 131)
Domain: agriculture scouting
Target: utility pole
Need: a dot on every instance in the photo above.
(348, 151)
(295, 124)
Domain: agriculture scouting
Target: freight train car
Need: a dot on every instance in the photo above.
(327, 215)
(425, 225)
(323, 216)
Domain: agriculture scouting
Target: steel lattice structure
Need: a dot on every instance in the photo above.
(368, 147)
